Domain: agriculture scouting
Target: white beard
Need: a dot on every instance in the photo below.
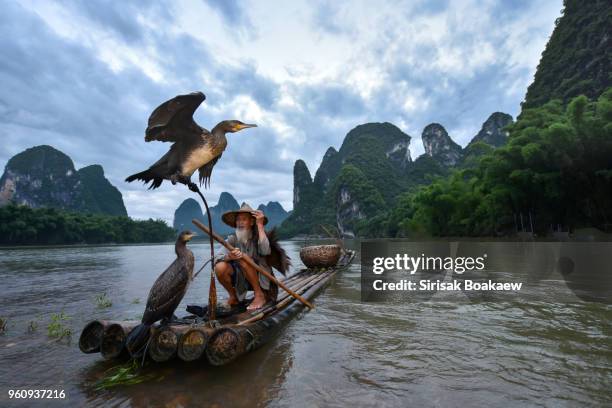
(243, 235)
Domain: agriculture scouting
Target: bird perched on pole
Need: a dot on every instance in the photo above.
(194, 147)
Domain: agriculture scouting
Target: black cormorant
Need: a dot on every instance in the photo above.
(166, 293)
(194, 148)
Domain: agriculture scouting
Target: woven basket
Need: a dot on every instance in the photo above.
(320, 256)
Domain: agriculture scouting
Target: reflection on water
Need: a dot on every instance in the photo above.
(523, 351)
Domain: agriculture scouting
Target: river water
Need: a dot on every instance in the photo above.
(531, 351)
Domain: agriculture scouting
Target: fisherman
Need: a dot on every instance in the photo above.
(250, 239)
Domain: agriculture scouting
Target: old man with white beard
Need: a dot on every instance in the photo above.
(249, 239)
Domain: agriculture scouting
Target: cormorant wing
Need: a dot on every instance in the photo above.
(206, 171)
(167, 292)
(173, 120)
(278, 258)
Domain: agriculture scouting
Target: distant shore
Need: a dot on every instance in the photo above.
(583, 235)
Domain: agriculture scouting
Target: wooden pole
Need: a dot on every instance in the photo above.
(212, 290)
(251, 263)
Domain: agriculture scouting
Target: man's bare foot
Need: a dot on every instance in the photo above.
(258, 302)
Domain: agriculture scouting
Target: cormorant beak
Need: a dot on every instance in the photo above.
(244, 126)
(189, 236)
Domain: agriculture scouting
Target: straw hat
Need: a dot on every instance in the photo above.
(230, 217)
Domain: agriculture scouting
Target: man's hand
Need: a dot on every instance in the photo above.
(259, 217)
(234, 255)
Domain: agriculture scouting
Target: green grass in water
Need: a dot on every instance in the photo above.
(124, 374)
(57, 328)
(102, 301)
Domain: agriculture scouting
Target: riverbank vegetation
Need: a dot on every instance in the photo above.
(556, 167)
(22, 225)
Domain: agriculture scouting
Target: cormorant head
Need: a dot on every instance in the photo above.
(186, 236)
(233, 126)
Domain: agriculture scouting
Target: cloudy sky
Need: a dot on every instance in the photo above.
(84, 77)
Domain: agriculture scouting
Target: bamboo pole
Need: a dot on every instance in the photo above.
(293, 278)
(293, 283)
(296, 282)
(251, 263)
(298, 285)
(303, 288)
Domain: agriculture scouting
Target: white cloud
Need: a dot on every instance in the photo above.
(109, 48)
(305, 72)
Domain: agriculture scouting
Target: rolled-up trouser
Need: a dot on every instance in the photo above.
(241, 284)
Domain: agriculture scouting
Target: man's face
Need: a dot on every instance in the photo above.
(244, 221)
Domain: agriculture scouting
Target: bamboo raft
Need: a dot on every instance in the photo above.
(234, 333)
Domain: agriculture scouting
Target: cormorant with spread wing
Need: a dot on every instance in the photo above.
(166, 293)
(194, 147)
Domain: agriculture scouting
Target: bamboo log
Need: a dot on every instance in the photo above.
(293, 278)
(91, 336)
(113, 339)
(229, 342)
(193, 343)
(295, 283)
(284, 299)
(164, 342)
(297, 287)
(226, 344)
(251, 263)
(298, 284)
